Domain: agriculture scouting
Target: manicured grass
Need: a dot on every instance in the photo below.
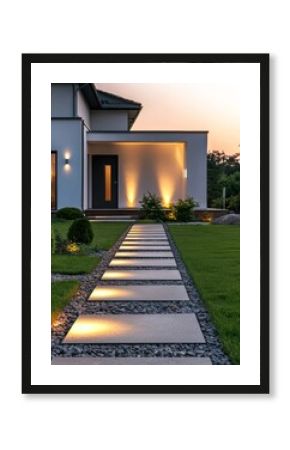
(61, 293)
(105, 233)
(212, 256)
(73, 264)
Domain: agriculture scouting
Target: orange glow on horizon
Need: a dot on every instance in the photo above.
(204, 106)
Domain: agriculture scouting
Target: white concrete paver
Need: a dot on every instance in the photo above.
(139, 292)
(135, 328)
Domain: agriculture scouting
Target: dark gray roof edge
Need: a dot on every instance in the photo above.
(132, 103)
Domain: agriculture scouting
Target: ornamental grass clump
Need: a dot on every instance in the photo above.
(81, 232)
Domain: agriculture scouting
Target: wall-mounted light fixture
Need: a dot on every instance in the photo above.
(185, 173)
(67, 166)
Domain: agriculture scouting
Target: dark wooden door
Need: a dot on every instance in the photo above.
(105, 181)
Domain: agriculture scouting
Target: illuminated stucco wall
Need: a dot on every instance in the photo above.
(155, 167)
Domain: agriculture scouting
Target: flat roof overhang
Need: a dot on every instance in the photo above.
(141, 136)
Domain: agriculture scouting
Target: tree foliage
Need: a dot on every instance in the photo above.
(223, 171)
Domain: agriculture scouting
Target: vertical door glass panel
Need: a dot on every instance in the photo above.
(53, 180)
(108, 183)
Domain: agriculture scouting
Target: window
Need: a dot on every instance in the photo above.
(53, 179)
(108, 183)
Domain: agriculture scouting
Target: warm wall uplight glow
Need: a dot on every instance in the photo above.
(168, 185)
(155, 167)
(131, 182)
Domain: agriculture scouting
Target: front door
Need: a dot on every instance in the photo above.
(105, 181)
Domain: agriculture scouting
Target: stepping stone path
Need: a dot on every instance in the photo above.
(144, 259)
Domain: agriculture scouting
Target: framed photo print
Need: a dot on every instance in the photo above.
(149, 271)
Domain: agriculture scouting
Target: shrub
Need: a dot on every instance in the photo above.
(53, 244)
(69, 213)
(81, 231)
(151, 207)
(183, 209)
(60, 244)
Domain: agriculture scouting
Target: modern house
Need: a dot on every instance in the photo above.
(98, 163)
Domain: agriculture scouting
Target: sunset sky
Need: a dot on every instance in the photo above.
(194, 107)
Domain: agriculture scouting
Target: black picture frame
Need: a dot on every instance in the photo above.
(263, 61)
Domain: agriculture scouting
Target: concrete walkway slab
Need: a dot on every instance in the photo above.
(147, 226)
(145, 243)
(131, 361)
(138, 247)
(146, 262)
(139, 293)
(135, 328)
(146, 238)
(147, 235)
(135, 275)
(147, 231)
(139, 254)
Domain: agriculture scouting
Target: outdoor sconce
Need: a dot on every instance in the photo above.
(67, 167)
(185, 173)
(66, 159)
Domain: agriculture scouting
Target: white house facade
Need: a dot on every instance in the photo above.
(98, 164)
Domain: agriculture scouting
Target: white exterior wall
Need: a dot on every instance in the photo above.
(153, 166)
(83, 109)
(62, 100)
(66, 139)
(109, 120)
(143, 167)
(196, 163)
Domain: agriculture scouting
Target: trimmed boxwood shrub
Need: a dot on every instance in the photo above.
(183, 209)
(81, 231)
(69, 213)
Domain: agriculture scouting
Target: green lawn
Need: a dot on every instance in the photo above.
(73, 264)
(212, 256)
(61, 293)
(105, 233)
